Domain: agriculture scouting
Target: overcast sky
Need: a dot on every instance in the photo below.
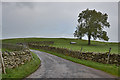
(52, 19)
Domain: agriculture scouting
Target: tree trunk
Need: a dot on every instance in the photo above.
(80, 38)
(89, 37)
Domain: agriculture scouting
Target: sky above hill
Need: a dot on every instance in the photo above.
(52, 19)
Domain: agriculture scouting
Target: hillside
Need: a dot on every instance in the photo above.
(95, 46)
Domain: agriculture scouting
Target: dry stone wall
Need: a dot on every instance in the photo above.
(97, 57)
(16, 58)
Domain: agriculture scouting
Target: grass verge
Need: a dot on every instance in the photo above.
(23, 70)
(110, 69)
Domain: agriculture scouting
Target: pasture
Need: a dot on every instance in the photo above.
(95, 46)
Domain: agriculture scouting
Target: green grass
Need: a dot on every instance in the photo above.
(23, 70)
(0, 76)
(110, 69)
(4, 49)
(95, 46)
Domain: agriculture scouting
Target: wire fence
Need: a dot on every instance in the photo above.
(105, 58)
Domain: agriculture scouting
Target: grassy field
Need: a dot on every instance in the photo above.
(95, 46)
(23, 70)
(65, 43)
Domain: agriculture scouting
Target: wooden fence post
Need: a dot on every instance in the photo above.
(108, 56)
(2, 63)
(81, 50)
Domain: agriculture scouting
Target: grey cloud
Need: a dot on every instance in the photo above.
(60, 0)
(119, 21)
(52, 19)
(0, 21)
(24, 4)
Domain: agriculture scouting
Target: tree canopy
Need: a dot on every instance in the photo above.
(92, 24)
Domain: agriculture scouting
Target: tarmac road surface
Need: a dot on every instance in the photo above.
(56, 67)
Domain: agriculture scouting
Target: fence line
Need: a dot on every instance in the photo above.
(97, 57)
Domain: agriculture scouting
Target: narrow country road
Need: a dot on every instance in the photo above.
(56, 67)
